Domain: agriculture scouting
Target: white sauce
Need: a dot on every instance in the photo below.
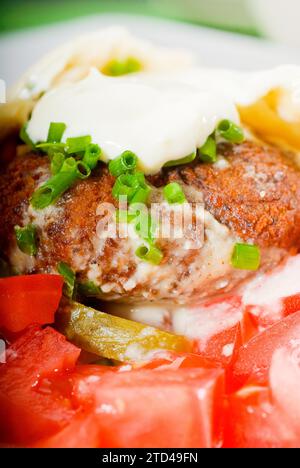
(158, 119)
(159, 116)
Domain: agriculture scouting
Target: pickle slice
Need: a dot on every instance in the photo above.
(113, 337)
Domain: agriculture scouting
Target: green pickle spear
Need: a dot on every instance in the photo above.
(113, 337)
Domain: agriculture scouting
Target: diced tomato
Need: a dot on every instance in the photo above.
(170, 360)
(285, 381)
(254, 359)
(143, 408)
(274, 295)
(217, 326)
(83, 432)
(26, 411)
(254, 422)
(27, 300)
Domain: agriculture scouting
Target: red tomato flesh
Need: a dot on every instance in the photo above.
(254, 422)
(25, 412)
(27, 300)
(255, 357)
(181, 408)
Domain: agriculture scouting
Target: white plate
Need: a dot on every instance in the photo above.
(19, 50)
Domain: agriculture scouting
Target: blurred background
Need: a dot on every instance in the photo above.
(278, 19)
(28, 28)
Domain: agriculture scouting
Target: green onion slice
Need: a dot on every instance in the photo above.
(92, 155)
(57, 162)
(246, 257)
(125, 163)
(173, 193)
(51, 190)
(27, 239)
(69, 278)
(180, 162)
(125, 185)
(122, 67)
(51, 148)
(88, 289)
(208, 152)
(145, 226)
(83, 170)
(231, 132)
(55, 132)
(78, 144)
(150, 254)
(25, 137)
(123, 216)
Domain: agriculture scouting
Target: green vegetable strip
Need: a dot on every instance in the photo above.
(125, 163)
(208, 152)
(230, 131)
(92, 156)
(149, 254)
(57, 163)
(83, 170)
(56, 131)
(78, 144)
(173, 193)
(113, 337)
(125, 185)
(246, 257)
(27, 239)
(25, 137)
(88, 289)
(51, 190)
(69, 278)
(122, 67)
(180, 162)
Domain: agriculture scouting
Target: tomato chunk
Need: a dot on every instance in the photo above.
(274, 295)
(218, 328)
(254, 359)
(26, 411)
(27, 300)
(169, 360)
(142, 408)
(285, 381)
(254, 422)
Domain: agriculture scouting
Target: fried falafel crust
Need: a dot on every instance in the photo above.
(254, 195)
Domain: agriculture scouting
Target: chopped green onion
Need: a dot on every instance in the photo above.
(51, 190)
(88, 289)
(208, 152)
(25, 137)
(69, 278)
(125, 163)
(125, 185)
(57, 162)
(231, 132)
(173, 193)
(149, 254)
(69, 165)
(83, 170)
(51, 148)
(123, 216)
(122, 67)
(141, 195)
(56, 131)
(145, 226)
(78, 144)
(92, 155)
(246, 257)
(180, 162)
(26, 239)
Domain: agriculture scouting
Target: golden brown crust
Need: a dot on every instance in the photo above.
(257, 195)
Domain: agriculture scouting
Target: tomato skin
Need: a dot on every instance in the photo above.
(36, 355)
(173, 361)
(26, 300)
(254, 422)
(141, 408)
(254, 358)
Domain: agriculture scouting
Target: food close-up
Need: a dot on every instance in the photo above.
(149, 248)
